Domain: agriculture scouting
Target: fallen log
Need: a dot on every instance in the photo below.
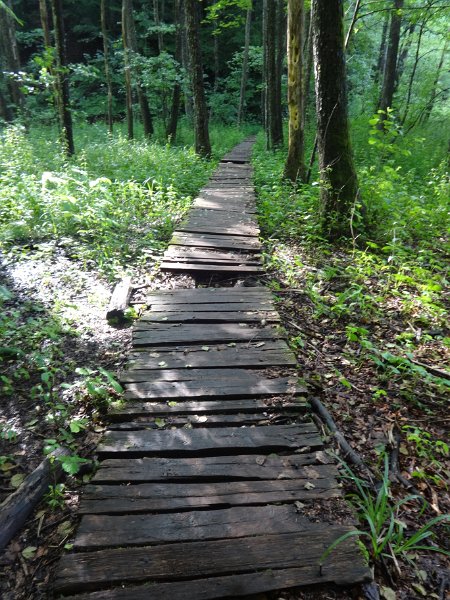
(119, 301)
(15, 510)
(348, 452)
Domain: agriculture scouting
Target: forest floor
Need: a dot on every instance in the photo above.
(45, 279)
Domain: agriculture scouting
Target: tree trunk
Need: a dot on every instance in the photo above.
(379, 68)
(308, 63)
(127, 70)
(413, 73)
(109, 112)
(130, 43)
(171, 131)
(202, 143)
(339, 187)
(216, 56)
(430, 104)
(295, 163)
(403, 54)
(244, 75)
(188, 105)
(158, 25)
(390, 67)
(273, 137)
(280, 55)
(11, 60)
(43, 12)
(352, 23)
(264, 107)
(65, 115)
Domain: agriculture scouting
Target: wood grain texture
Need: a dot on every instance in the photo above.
(342, 571)
(173, 497)
(106, 531)
(154, 334)
(237, 440)
(225, 468)
(91, 570)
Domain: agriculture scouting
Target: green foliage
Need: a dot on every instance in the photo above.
(385, 531)
(140, 191)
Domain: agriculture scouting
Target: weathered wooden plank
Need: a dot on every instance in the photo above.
(204, 226)
(342, 571)
(210, 468)
(249, 316)
(223, 205)
(167, 497)
(212, 259)
(198, 295)
(219, 389)
(249, 243)
(189, 251)
(132, 410)
(221, 439)
(91, 570)
(269, 345)
(215, 356)
(240, 419)
(105, 531)
(210, 267)
(153, 334)
(248, 305)
(214, 376)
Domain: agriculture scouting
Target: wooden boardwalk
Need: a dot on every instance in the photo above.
(209, 469)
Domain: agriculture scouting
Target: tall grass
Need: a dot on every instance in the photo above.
(114, 201)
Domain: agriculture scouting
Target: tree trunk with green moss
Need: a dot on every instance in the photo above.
(65, 114)
(295, 163)
(202, 143)
(339, 192)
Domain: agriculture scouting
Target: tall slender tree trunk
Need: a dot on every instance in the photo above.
(280, 55)
(11, 60)
(244, 75)
(403, 54)
(45, 23)
(352, 23)
(109, 111)
(65, 115)
(43, 12)
(188, 104)
(127, 70)
(295, 163)
(130, 43)
(432, 100)
(307, 63)
(413, 73)
(157, 20)
(390, 67)
(379, 67)
(216, 56)
(264, 95)
(171, 131)
(202, 143)
(273, 137)
(339, 190)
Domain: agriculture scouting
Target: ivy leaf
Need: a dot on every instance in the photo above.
(29, 552)
(17, 480)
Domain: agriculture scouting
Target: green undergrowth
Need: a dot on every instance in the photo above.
(368, 319)
(397, 274)
(110, 205)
